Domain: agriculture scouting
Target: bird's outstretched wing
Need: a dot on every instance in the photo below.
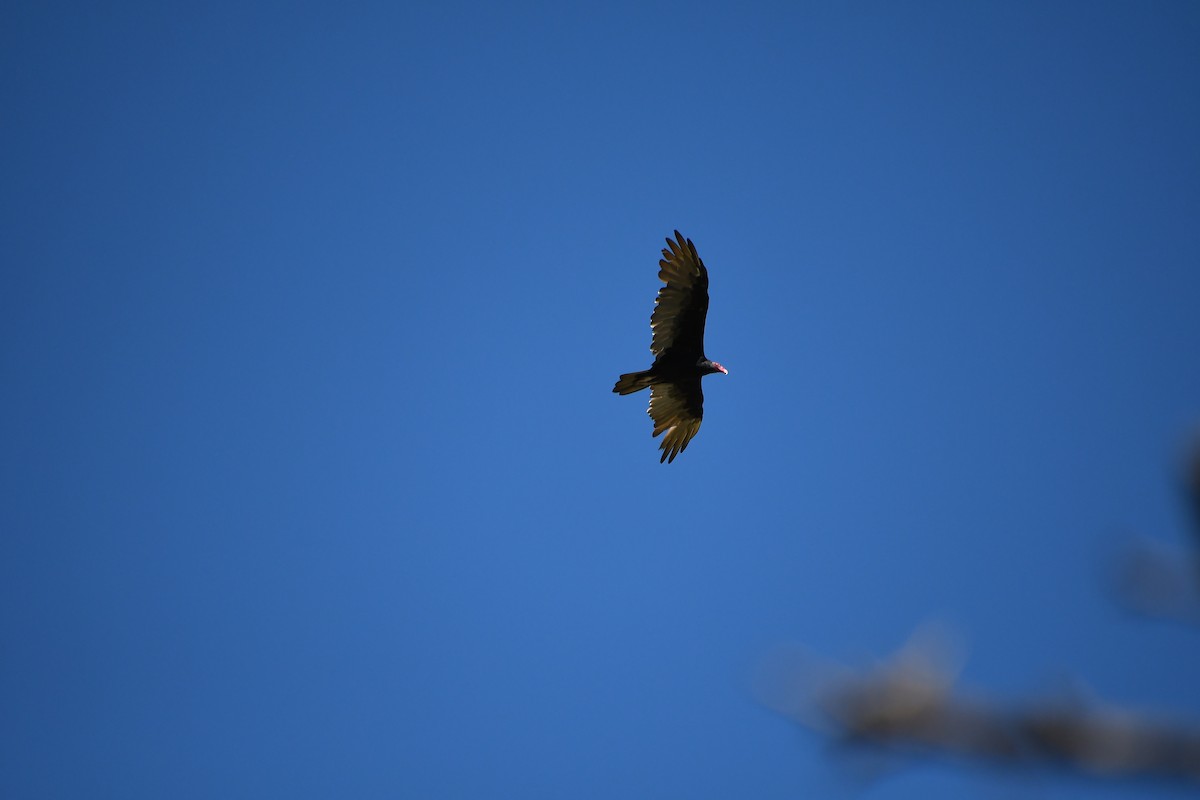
(677, 410)
(681, 305)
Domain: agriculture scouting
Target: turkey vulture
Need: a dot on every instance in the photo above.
(676, 401)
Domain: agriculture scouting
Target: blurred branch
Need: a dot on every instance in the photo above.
(1159, 581)
(909, 706)
(1191, 493)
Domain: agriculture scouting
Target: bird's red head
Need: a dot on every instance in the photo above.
(719, 368)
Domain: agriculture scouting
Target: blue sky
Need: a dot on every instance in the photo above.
(314, 482)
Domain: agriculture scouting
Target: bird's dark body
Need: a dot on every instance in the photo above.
(676, 400)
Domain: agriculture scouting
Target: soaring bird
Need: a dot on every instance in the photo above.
(676, 401)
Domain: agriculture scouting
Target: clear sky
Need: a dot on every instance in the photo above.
(313, 481)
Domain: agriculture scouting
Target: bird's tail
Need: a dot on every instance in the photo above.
(632, 382)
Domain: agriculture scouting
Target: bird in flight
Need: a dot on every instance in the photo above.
(676, 401)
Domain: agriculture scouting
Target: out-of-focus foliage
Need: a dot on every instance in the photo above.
(1159, 580)
(909, 705)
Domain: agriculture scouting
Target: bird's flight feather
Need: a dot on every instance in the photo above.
(682, 304)
(677, 410)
